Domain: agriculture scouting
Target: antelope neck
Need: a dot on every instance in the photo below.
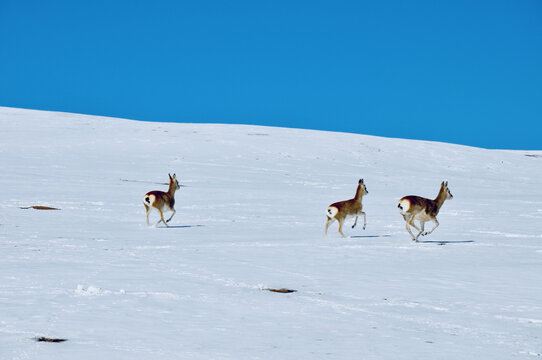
(441, 197)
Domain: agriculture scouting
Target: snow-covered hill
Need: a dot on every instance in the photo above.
(251, 216)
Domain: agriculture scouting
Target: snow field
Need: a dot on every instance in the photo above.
(251, 216)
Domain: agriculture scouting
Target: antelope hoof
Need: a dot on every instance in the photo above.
(353, 226)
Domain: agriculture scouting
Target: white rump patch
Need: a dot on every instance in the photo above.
(152, 198)
(332, 211)
(404, 206)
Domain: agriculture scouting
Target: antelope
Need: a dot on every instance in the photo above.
(422, 209)
(162, 201)
(341, 210)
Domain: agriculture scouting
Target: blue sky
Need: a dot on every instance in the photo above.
(467, 72)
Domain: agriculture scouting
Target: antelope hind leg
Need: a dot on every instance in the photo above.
(162, 219)
(410, 232)
(410, 222)
(341, 228)
(147, 210)
(328, 222)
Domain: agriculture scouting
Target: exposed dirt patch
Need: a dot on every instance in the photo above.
(49, 340)
(282, 291)
(39, 207)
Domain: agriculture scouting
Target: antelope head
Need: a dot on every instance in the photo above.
(173, 181)
(444, 187)
(363, 187)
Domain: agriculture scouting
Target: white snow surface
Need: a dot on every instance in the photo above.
(250, 216)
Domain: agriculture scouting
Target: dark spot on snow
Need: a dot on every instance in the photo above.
(39, 207)
(533, 155)
(282, 291)
(49, 340)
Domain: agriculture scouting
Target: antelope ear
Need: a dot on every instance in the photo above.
(446, 184)
(175, 176)
(169, 175)
(360, 181)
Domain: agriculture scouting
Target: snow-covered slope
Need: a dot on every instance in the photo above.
(251, 216)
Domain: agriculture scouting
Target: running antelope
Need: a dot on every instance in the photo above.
(422, 209)
(162, 201)
(341, 210)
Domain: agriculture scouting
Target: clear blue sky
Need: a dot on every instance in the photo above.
(467, 72)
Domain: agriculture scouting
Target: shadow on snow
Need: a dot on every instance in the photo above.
(369, 236)
(446, 242)
(178, 226)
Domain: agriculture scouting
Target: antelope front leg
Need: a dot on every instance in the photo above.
(355, 222)
(364, 220)
(436, 225)
(174, 212)
(422, 223)
(162, 219)
(411, 223)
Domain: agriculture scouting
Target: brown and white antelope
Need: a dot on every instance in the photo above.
(341, 210)
(162, 201)
(422, 209)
